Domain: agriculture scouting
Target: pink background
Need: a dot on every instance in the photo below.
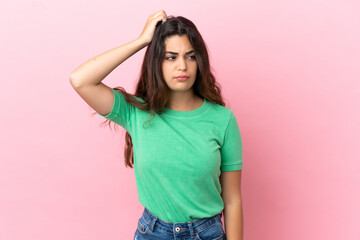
(288, 69)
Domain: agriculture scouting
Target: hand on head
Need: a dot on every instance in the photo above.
(149, 29)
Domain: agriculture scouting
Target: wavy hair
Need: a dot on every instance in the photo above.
(151, 86)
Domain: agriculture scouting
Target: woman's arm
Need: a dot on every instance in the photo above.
(233, 211)
(93, 71)
(234, 221)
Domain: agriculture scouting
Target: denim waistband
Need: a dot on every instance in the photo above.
(179, 228)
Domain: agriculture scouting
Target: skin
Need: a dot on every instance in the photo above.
(233, 207)
(182, 97)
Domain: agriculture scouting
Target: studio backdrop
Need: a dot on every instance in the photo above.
(289, 70)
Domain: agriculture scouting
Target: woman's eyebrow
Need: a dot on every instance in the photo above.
(175, 53)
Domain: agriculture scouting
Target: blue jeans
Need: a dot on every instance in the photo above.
(151, 227)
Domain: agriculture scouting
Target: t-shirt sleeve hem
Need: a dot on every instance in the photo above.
(112, 112)
(232, 167)
(112, 116)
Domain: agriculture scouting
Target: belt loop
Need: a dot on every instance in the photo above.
(190, 224)
(152, 224)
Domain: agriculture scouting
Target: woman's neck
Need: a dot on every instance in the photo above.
(182, 101)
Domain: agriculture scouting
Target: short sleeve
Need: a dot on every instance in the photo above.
(121, 111)
(231, 150)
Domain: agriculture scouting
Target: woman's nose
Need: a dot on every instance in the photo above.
(182, 64)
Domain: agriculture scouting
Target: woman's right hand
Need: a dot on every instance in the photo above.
(149, 29)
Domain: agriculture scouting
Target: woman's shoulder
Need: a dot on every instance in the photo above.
(220, 108)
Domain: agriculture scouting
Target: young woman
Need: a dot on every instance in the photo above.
(184, 144)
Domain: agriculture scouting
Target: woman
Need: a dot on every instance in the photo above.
(180, 136)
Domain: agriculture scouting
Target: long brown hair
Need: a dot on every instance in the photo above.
(152, 87)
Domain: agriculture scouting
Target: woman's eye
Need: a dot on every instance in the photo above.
(172, 58)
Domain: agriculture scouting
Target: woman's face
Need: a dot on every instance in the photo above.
(179, 61)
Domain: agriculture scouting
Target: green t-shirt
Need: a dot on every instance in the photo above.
(179, 157)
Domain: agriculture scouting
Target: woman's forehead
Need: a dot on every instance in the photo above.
(178, 44)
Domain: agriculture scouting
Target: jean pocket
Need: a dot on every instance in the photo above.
(213, 232)
(143, 226)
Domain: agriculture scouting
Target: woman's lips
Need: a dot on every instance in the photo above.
(182, 78)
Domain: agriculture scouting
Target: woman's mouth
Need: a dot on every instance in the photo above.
(182, 78)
